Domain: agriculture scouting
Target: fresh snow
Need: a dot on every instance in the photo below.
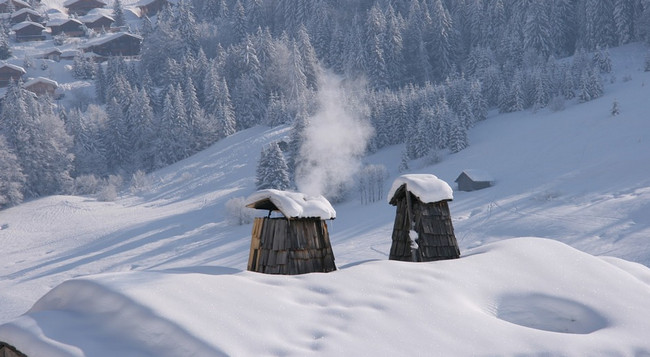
(160, 271)
(426, 187)
(294, 204)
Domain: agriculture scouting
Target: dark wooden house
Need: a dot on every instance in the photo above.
(53, 54)
(26, 14)
(9, 73)
(151, 7)
(69, 27)
(97, 22)
(7, 350)
(43, 86)
(116, 44)
(296, 243)
(423, 230)
(15, 5)
(473, 179)
(82, 7)
(28, 31)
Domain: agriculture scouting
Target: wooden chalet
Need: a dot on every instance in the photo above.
(296, 243)
(9, 73)
(7, 350)
(69, 27)
(82, 7)
(473, 179)
(15, 5)
(116, 44)
(28, 31)
(43, 86)
(423, 230)
(97, 22)
(53, 54)
(26, 14)
(151, 7)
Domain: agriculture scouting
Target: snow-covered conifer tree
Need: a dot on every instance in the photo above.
(272, 170)
(12, 179)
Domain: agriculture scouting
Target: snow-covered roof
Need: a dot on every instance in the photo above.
(22, 25)
(94, 17)
(67, 3)
(110, 37)
(61, 21)
(24, 10)
(426, 187)
(292, 204)
(40, 80)
(477, 175)
(13, 66)
(142, 3)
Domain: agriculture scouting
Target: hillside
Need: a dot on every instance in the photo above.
(168, 258)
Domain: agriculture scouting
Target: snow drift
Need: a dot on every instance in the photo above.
(519, 296)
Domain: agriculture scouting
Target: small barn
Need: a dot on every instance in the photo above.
(26, 14)
(82, 7)
(28, 31)
(297, 242)
(473, 179)
(116, 44)
(10, 72)
(43, 86)
(97, 21)
(53, 54)
(423, 230)
(69, 27)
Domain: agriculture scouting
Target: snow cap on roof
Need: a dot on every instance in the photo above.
(40, 80)
(426, 187)
(22, 25)
(478, 175)
(67, 3)
(61, 21)
(23, 10)
(94, 17)
(13, 66)
(108, 38)
(292, 204)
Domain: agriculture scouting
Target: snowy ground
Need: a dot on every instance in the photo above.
(170, 266)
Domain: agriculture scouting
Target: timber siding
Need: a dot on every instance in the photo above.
(431, 221)
(289, 247)
(122, 44)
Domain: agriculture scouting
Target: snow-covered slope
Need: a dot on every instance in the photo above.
(522, 296)
(579, 176)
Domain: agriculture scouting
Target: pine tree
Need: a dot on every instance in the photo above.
(12, 179)
(118, 14)
(272, 170)
(457, 135)
(5, 48)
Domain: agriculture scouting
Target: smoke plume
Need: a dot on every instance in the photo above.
(334, 141)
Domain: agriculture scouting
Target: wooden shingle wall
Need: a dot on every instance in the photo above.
(288, 247)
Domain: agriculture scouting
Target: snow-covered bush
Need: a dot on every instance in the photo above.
(108, 193)
(87, 185)
(140, 182)
(237, 214)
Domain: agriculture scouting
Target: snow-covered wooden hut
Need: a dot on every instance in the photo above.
(296, 243)
(473, 179)
(422, 218)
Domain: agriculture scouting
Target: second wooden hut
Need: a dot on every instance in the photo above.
(423, 230)
(296, 243)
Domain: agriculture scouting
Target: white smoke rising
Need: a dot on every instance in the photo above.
(334, 141)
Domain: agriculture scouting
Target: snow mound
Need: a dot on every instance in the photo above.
(428, 188)
(292, 204)
(515, 297)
